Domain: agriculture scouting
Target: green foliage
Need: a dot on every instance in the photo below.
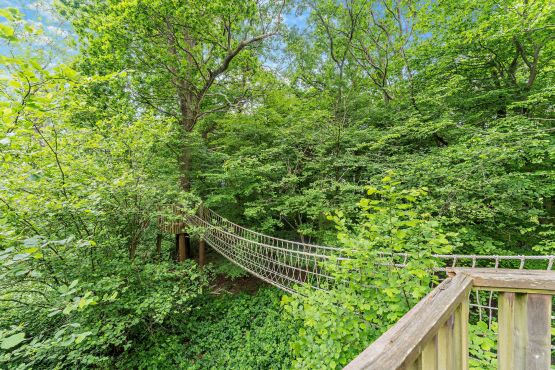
(13, 340)
(470, 118)
(229, 270)
(78, 193)
(483, 341)
(371, 294)
(101, 316)
(229, 331)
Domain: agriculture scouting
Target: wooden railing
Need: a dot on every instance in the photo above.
(434, 333)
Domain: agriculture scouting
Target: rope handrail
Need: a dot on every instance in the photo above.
(292, 242)
(287, 263)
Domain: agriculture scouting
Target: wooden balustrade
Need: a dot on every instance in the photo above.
(172, 221)
(434, 333)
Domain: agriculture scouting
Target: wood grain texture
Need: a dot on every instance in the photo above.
(443, 347)
(182, 248)
(401, 345)
(524, 331)
(512, 331)
(538, 355)
(460, 336)
(510, 280)
(464, 342)
(428, 357)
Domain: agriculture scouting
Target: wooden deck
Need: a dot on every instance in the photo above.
(434, 333)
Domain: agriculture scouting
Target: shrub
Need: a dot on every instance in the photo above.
(372, 294)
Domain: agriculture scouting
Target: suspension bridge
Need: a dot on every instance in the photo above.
(515, 290)
(288, 264)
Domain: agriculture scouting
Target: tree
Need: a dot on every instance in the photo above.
(180, 54)
(492, 54)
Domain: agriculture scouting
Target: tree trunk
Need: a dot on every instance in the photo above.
(386, 97)
(188, 121)
(185, 164)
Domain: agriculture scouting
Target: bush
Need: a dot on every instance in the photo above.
(110, 311)
(222, 332)
(372, 294)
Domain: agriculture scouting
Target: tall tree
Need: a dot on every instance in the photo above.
(484, 57)
(179, 52)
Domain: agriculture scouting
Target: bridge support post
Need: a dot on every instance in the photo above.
(188, 250)
(201, 252)
(159, 246)
(182, 241)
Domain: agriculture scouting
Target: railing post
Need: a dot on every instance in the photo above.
(461, 333)
(428, 358)
(524, 331)
(451, 341)
(445, 346)
(182, 248)
(188, 251)
(539, 332)
(201, 252)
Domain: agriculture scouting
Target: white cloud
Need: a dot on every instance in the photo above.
(44, 9)
(58, 31)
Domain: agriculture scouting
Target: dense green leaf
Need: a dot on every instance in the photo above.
(12, 340)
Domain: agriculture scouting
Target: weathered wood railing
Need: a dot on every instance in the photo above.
(434, 333)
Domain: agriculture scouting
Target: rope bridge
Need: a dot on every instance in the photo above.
(287, 264)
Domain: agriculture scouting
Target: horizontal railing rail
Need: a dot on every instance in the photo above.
(434, 333)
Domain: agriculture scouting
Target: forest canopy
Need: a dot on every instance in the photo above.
(330, 122)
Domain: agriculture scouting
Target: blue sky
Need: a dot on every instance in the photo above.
(296, 20)
(40, 14)
(32, 9)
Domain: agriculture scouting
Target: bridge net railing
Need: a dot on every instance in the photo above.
(288, 264)
(283, 263)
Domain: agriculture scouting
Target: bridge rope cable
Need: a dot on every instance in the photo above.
(288, 264)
